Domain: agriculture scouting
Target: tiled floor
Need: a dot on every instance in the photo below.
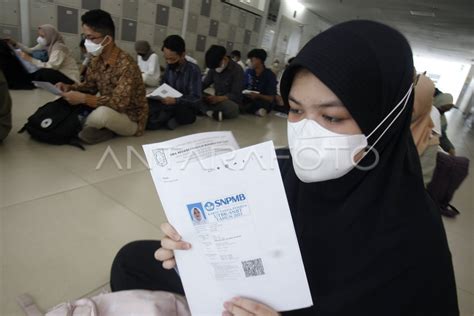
(62, 219)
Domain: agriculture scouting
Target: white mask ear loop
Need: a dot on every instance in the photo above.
(405, 100)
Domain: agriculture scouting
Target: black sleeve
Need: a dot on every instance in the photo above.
(284, 161)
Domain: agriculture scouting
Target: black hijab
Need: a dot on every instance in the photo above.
(372, 241)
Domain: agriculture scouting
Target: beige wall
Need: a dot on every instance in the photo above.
(209, 22)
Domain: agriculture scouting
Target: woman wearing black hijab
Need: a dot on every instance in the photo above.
(372, 240)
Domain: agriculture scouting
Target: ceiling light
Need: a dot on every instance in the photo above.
(297, 6)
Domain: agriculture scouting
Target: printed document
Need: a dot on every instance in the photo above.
(230, 204)
(164, 91)
(48, 86)
(29, 67)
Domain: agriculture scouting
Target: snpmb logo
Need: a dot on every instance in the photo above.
(209, 206)
(230, 199)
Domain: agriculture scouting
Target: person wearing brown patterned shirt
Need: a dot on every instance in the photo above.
(121, 107)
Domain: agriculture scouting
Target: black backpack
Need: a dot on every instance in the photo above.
(56, 122)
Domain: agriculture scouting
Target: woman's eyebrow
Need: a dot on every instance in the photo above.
(328, 104)
(291, 98)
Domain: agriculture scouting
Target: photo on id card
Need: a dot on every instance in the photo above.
(226, 232)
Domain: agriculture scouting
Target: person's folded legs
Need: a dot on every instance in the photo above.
(135, 267)
(103, 123)
(91, 135)
(229, 109)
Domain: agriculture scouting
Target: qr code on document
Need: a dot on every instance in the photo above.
(253, 268)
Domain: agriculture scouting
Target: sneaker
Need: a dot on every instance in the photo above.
(217, 115)
(261, 112)
(172, 124)
(92, 135)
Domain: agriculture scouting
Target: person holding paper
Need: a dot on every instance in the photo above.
(371, 238)
(37, 51)
(262, 84)
(227, 78)
(121, 107)
(60, 65)
(183, 76)
(148, 62)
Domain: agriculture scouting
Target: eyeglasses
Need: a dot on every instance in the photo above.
(92, 38)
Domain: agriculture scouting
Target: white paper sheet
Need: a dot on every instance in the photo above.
(164, 91)
(29, 67)
(246, 91)
(232, 208)
(48, 86)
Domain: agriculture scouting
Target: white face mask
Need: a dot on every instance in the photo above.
(93, 48)
(41, 40)
(319, 154)
(221, 68)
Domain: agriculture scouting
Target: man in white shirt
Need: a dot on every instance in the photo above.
(148, 63)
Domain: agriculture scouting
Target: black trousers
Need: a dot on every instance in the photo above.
(50, 75)
(160, 114)
(135, 268)
(251, 106)
(15, 74)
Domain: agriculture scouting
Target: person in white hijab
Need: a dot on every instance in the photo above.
(197, 216)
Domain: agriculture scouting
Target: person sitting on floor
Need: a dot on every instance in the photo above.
(5, 108)
(38, 51)
(60, 66)
(422, 126)
(183, 76)
(121, 108)
(228, 79)
(236, 56)
(148, 62)
(262, 80)
(370, 237)
(279, 105)
(444, 103)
